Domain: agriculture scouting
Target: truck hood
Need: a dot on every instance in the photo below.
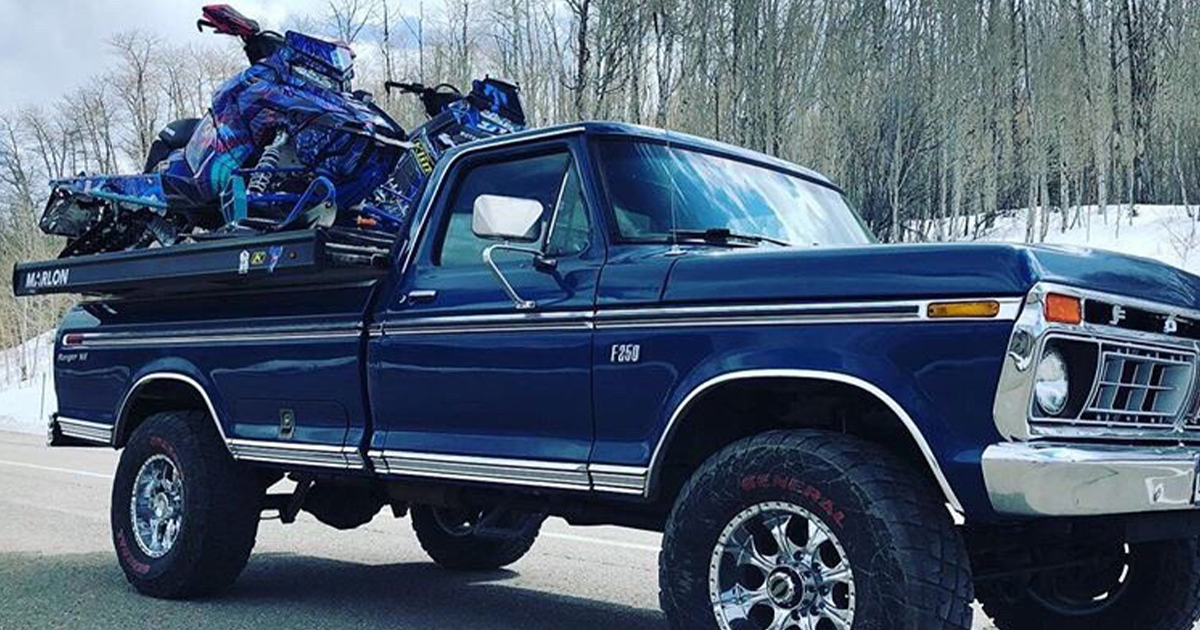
(879, 272)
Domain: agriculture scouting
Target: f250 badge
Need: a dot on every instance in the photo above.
(47, 278)
(625, 353)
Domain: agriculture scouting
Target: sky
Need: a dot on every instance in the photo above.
(51, 46)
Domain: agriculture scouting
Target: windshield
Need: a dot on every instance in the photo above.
(662, 194)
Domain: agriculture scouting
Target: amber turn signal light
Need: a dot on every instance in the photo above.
(1063, 309)
(986, 308)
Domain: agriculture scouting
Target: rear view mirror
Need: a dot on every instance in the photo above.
(507, 218)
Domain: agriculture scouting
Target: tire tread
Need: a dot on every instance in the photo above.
(221, 536)
(932, 557)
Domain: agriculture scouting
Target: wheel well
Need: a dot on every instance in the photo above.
(736, 409)
(154, 396)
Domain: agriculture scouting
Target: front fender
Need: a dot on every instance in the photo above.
(939, 378)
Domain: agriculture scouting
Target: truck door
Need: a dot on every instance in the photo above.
(462, 382)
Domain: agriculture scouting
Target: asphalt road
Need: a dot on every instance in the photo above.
(57, 568)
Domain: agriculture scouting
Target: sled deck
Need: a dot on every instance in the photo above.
(314, 257)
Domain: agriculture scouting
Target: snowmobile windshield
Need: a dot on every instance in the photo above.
(325, 63)
(662, 194)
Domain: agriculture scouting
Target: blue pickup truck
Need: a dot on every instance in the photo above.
(617, 325)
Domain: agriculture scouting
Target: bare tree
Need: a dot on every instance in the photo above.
(349, 17)
(135, 82)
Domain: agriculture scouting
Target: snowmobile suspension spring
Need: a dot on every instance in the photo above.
(269, 160)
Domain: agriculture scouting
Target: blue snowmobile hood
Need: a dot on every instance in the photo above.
(880, 272)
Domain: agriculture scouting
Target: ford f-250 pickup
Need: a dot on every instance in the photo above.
(616, 325)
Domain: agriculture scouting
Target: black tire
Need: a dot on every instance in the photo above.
(1160, 591)
(910, 565)
(467, 547)
(220, 506)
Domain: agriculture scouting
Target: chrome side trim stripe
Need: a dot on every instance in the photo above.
(343, 457)
(729, 315)
(567, 476)
(789, 314)
(85, 429)
(665, 317)
(496, 328)
(880, 309)
(746, 320)
(549, 321)
(619, 479)
(546, 317)
(518, 472)
(120, 340)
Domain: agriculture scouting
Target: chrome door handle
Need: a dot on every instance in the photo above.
(421, 295)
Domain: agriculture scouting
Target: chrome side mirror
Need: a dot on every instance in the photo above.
(508, 219)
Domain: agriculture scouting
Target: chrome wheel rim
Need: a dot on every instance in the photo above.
(776, 566)
(156, 507)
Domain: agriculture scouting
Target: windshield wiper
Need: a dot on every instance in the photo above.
(725, 235)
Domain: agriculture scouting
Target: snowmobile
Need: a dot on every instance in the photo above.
(491, 108)
(286, 144)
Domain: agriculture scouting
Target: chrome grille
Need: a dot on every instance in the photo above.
(1139, 386)
(1192, 420)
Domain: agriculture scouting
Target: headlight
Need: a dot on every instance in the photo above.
(1051, 385)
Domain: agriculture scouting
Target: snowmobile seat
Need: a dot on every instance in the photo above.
(173, 136)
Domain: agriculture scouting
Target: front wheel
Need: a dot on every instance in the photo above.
(1149, 586)
(808, 530)
(184, 513)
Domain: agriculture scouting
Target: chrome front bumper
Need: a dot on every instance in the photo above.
(1045, 479)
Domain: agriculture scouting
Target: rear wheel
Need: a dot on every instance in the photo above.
(807, 530)
(473, 539)
(1150, 586)
(184, 513)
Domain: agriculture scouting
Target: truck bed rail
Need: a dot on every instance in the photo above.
(317, 257)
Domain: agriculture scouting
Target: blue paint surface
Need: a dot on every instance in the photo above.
(555, 394)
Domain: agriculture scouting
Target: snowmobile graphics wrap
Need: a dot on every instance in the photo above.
(285, 144)
(491, 108)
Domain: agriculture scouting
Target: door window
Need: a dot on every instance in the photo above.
(569, 226)
(551, 179)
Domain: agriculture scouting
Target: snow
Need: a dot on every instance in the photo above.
(1164, 233)
(25, 375)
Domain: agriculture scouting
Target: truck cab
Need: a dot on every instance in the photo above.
(621, 325)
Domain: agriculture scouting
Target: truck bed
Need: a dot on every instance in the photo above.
(317, 257)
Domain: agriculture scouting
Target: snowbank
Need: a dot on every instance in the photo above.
(1164, 233)
(27, 385)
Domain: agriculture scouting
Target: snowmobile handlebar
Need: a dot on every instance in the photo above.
(224, 19)
(435, 99)
(406, 88)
